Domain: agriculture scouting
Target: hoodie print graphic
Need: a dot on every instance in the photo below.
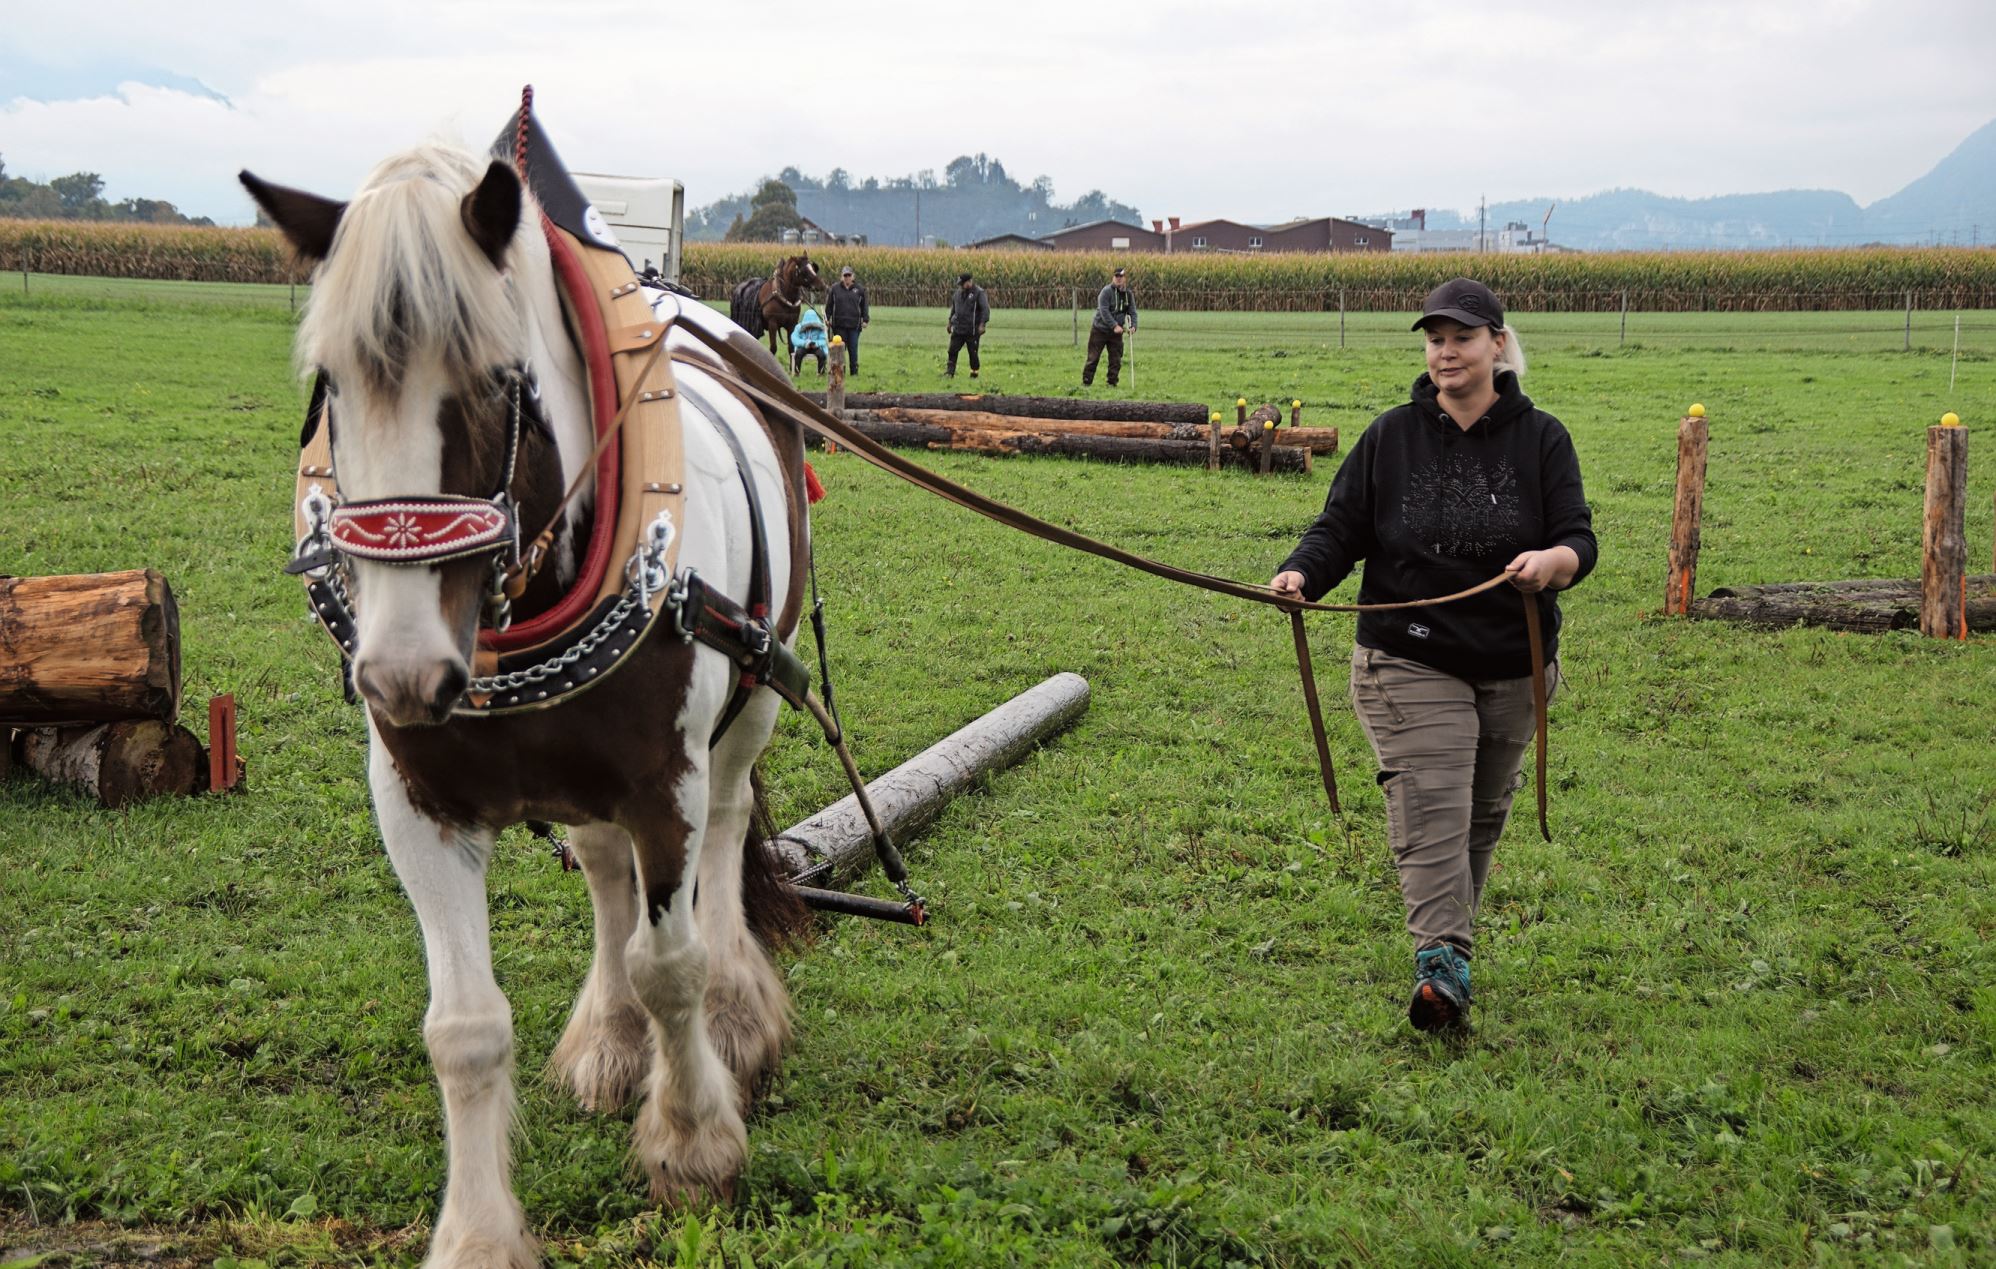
(1458, 506)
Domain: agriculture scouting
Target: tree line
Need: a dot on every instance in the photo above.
(80, 196)
(974, 198)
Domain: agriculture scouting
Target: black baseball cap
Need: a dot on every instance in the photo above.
(1462, 300)
(1119, 271)
(963, 277)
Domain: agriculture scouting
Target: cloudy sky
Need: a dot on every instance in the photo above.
(1256, 109)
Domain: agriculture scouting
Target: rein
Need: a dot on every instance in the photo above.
(776, 392)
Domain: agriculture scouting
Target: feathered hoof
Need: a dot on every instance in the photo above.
(604, 1059)
(695, 1165)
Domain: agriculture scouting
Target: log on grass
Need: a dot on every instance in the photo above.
(983, 420)
(1318, 440)
(96, 647)
(1028, 407)
(1115, 449)
(836, 843)
(119, 763)
(1866, 605)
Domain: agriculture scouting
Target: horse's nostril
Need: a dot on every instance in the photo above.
(451, 682)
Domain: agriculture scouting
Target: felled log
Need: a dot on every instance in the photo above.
(1318, 440)
(119, 763)
(1028, 407)
(836, 842)
(1115, 449)
(1866, 605)
(984, 420)
(96, 647)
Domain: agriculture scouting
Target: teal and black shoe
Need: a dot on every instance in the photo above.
(1441, 990)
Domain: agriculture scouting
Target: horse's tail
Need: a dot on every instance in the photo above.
(776, 916)
(746, 306)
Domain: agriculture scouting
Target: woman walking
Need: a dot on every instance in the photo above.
(1465, 479)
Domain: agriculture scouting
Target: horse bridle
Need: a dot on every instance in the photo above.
(410, 530)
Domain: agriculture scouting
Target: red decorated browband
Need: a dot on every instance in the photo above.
(421, 530)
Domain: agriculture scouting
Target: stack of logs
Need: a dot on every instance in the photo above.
(90, 686)
(1118, 431)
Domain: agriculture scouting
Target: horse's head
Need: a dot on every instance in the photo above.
(804, 273)
(413, 323)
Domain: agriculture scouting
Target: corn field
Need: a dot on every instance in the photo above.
(1665, 282)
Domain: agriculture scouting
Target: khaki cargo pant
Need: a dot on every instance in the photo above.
(1451, 755)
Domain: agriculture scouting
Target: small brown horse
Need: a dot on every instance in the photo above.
(764, 306)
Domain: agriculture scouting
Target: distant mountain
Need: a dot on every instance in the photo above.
(1955, 202)
(975, 199)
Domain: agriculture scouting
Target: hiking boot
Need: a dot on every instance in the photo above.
(973, 374)
(1441, 990)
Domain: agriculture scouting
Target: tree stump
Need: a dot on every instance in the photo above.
(97, 647)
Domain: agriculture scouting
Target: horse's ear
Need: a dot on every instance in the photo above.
(492, 212)
(307, 220)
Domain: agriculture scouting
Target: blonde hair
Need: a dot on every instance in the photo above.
(1513, 356)
(404, 277)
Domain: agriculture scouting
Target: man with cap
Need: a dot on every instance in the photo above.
(846, 313)
(1115, 314)
(1466, 481)
(969, 312)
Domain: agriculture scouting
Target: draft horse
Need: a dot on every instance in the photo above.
(766, 306)
(435, 307)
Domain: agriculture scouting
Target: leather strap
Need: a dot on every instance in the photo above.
(771, 388)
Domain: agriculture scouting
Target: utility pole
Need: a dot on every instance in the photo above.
(918, 215)
(1482, 215)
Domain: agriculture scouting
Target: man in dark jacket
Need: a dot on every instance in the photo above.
(969, 311)
(1115, 315)
(846, 313)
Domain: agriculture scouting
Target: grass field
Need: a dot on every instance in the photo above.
(1742, 1010)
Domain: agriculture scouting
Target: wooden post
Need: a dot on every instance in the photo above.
(835, 387)
(1625, 317)
(1074, 298)
(223, 770)
(1213, 443)
(1240, 411)
(1909, 322)
(1267, 445)
(1943, 538)
(1295, 414)
(1341, 317)
(1688, 512)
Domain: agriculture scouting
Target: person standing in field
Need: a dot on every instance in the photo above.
(1467, 478)
(969, 313)
(846, 313)
(1115, 316)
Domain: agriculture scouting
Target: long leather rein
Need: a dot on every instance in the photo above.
(746, 359)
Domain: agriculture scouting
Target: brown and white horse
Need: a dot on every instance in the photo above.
(433, 281)
(766, 306)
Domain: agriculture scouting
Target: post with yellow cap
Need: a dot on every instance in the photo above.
(1944, 537)
(1213, 442)
(835, 387)
(1267, 444)
(1687, 514)
(1295, 413)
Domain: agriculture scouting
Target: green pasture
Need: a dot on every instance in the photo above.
(1742, 1010)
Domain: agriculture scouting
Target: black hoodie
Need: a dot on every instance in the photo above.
(1432, 508)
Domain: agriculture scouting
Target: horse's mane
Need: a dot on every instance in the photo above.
(405, 279)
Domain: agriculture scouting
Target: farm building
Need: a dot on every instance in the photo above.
(1009, 242)
(1323, 233)
(1104, 235)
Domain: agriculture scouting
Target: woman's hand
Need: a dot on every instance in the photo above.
(1288, 584)
(1551, 568)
